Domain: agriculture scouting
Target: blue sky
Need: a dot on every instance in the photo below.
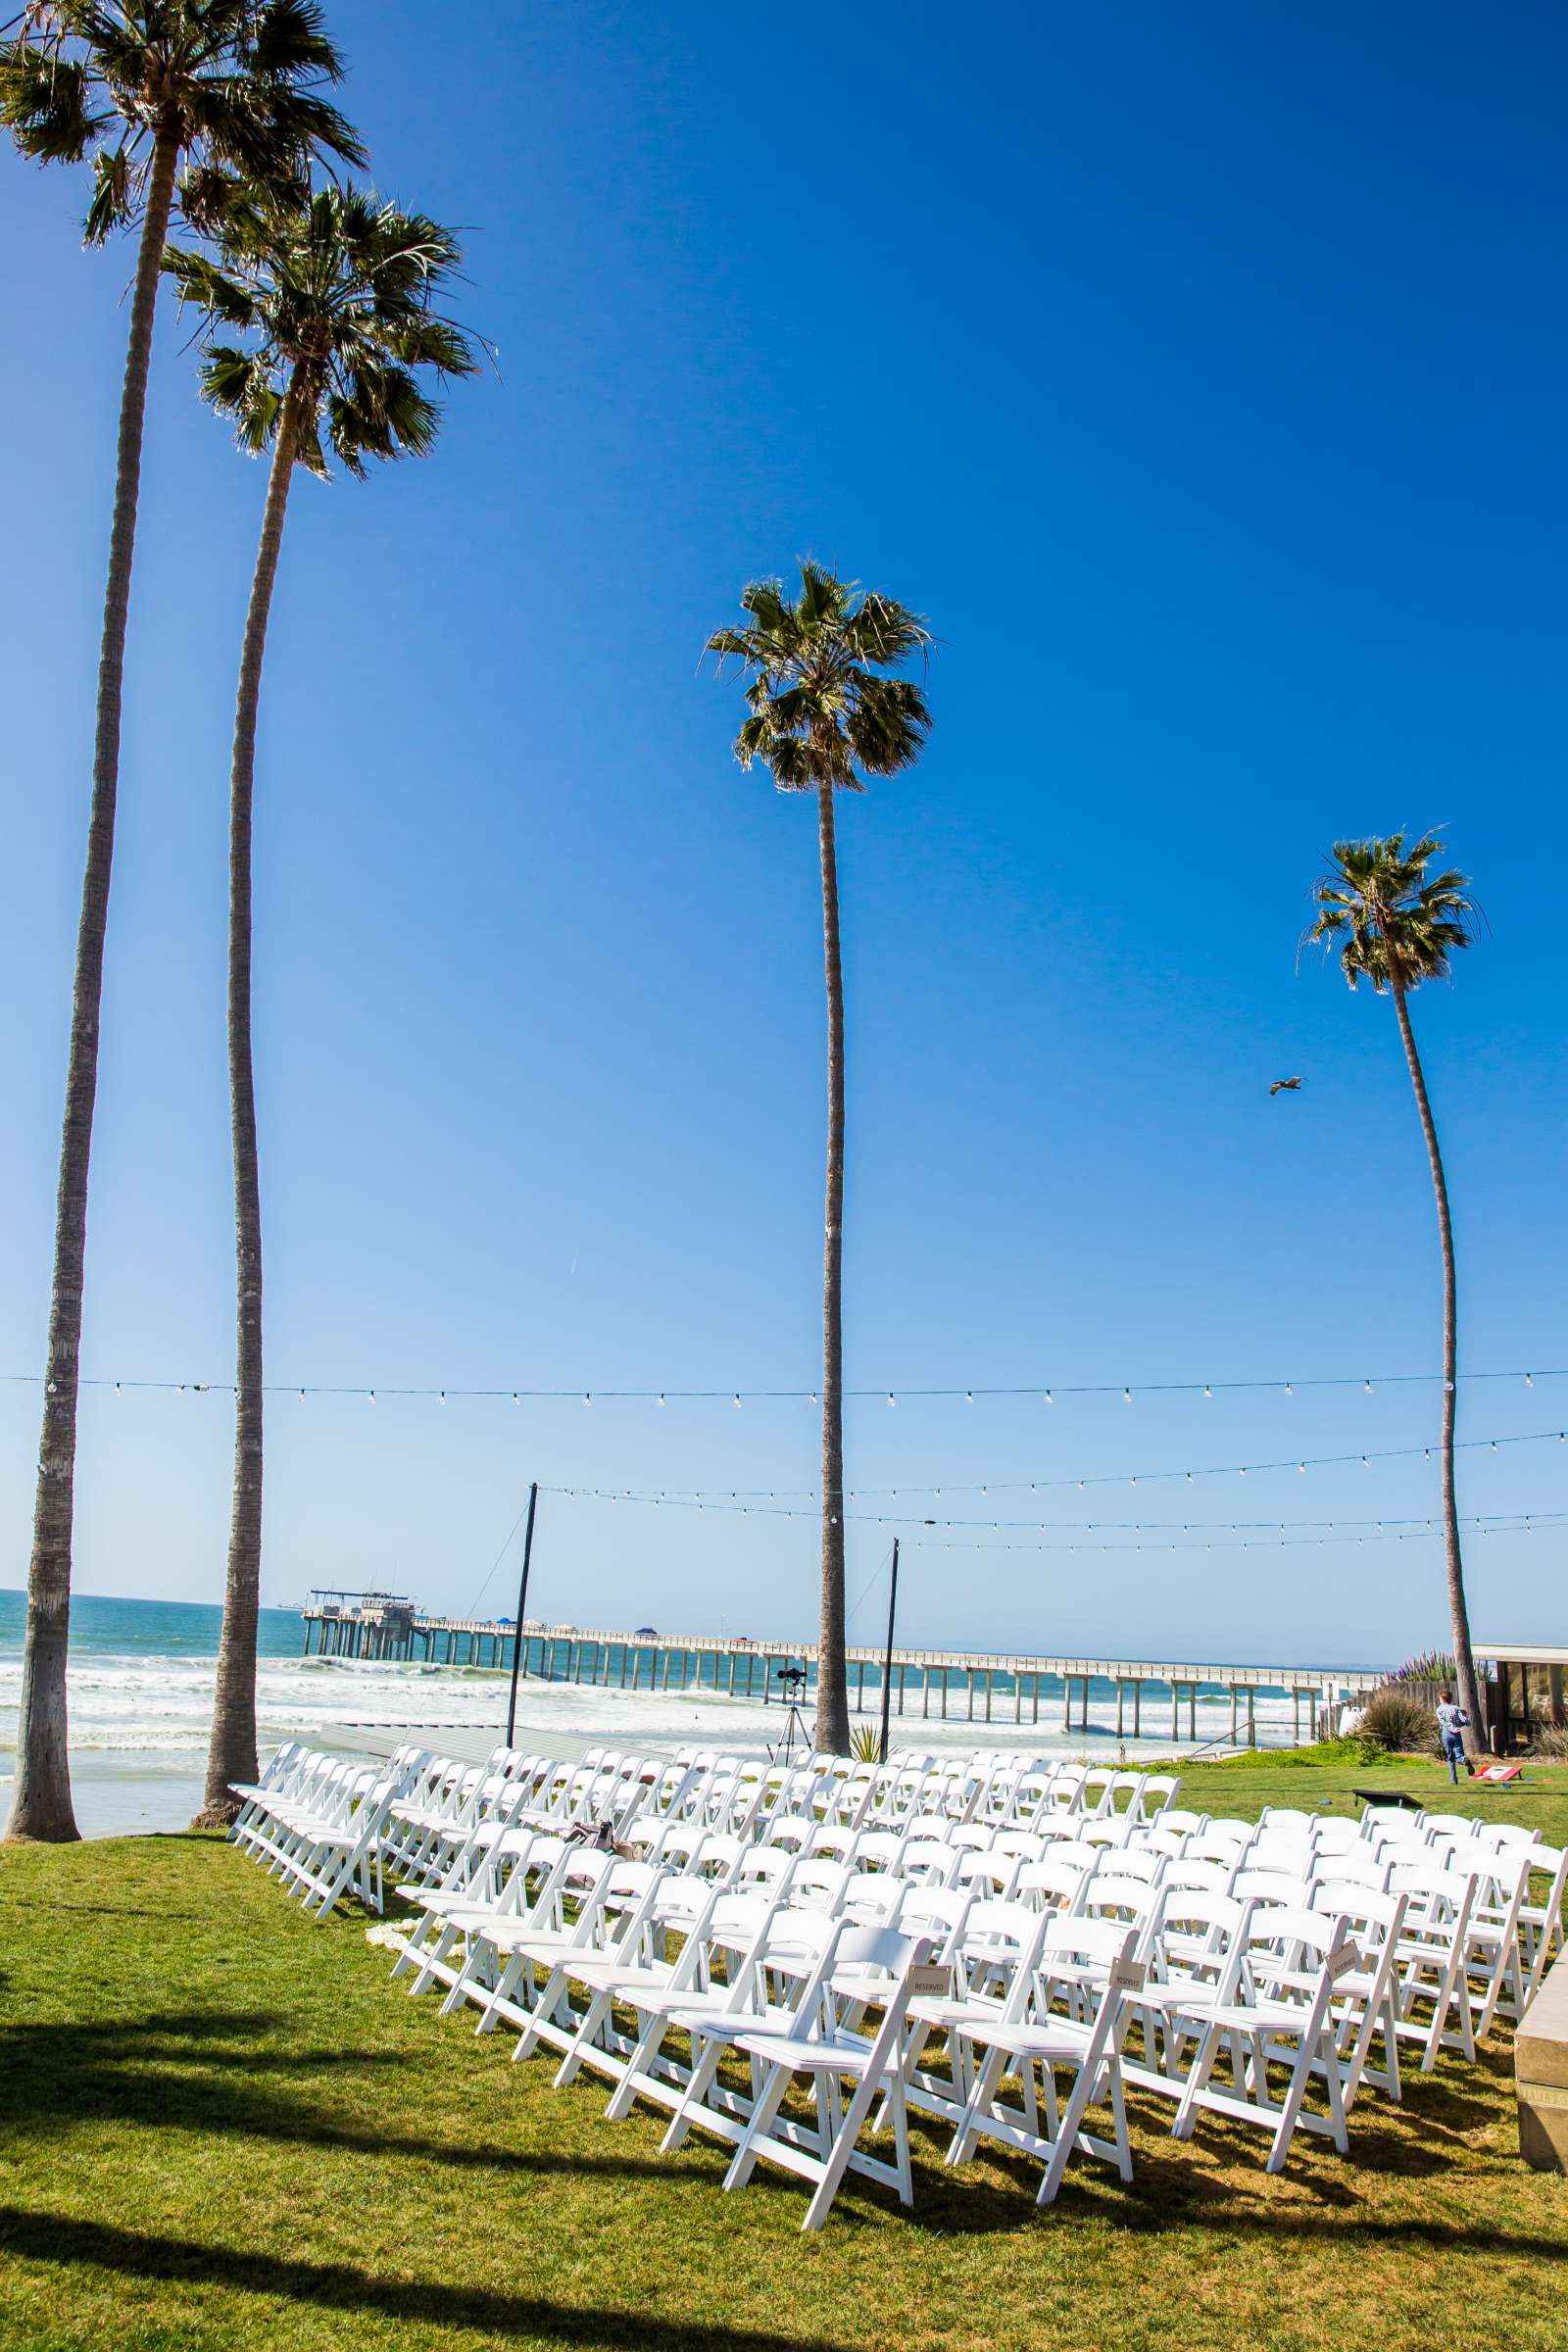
(1198, 375)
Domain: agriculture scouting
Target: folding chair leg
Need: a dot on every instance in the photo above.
(743, 2160)
(838, 2163)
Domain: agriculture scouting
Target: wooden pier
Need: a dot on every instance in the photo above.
(975, 1687)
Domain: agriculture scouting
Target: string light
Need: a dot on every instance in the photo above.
(1173, 1387)
(1253, 1534)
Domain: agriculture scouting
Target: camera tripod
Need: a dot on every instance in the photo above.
(796, 1734)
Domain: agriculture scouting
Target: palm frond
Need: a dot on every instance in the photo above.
(234, 84)
(339, 290)
(822, 708)
(1390, 923)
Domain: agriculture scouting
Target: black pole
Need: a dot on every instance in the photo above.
(522, 1612)
(887, 1662)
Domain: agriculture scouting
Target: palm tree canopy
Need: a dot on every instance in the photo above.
(1390, 919)
(336, 290)
(821, 708)
(236, 83)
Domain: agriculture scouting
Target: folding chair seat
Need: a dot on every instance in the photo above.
(452, 1953)
(504, 1954)
(613, 1925)
(1092, 1954)
(1276, 2009)
(732, 1928)
(858, 1968)
(1364, 2003)
(988, 1956)
(1494, 1973)
(1430, 1959)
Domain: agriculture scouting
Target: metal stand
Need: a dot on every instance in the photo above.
(795, 1735)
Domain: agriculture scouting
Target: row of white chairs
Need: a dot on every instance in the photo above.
(949, 1941)
(1009, 1988)
(438, 1809)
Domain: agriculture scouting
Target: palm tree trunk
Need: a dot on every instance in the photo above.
(41, 1804)
(832, 1683)
(1469, 1693)
(231, 1749)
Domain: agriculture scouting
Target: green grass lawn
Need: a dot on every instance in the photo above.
(220, 2124)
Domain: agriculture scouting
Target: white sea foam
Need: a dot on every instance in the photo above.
(154, 1712)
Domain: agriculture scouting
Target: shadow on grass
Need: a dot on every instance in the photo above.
(166, 2072)
(342, 2287)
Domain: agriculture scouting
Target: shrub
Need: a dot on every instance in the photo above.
(1397, 1723)
(1428, 1666)
(866, 1744)
(1552, 1744)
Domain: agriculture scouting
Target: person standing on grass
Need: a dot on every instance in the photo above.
(1451, 1720)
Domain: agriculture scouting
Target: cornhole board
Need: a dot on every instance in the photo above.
(1500, 1772)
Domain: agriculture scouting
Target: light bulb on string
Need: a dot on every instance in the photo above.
(736, 1400)
(1530, 1379)
(892, 1399)
(1208, 1392)
(1126, 1395)
(587, 1400)
(1367, 1387)
(370, 1395)
(1050, 1399)
(968, 1396)
(1289, 1391)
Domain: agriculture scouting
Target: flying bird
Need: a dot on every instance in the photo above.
(1285, 1085)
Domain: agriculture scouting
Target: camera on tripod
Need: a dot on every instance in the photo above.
(792, 1679)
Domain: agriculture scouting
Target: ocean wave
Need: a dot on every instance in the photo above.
(160, 1706)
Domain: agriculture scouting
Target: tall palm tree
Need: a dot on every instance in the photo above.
(143, 86)
(823, 713)
(1396, 925)
(336, 295)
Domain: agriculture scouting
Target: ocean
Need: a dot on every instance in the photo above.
(140, 1696)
